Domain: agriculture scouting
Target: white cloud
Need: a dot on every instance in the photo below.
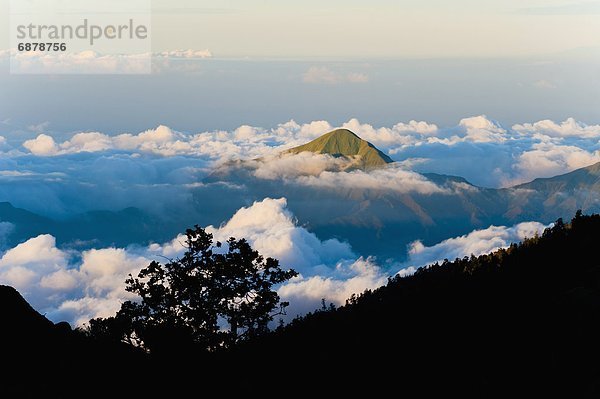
(42, 145)
(324, 75)
(81, 62)
(94, 286)
(294, 165)
(482, 130)
(549, 159)
(77, 286)
(271, 229)
(503, 156)
(97, 63)
(25, 265)
(391, 178)
(401, 134)
(478, 242)
(567, 128)
(305, 293)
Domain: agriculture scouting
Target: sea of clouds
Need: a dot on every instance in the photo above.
(78, 285)
(156, 169)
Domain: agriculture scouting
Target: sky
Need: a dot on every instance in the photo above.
(265, 62)
(378, 28)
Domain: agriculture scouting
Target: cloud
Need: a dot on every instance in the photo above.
(305, 293)
(392, 178)
(294, 165)
(39, 128)
(478, 242)
(29, 264)
(544, 84)
(42, 145)
(153, 162)
(324, 75)
(356, 77)
(76, 286)
(80, 62)
(549, 159)
(480, 129)
(271, 229)
(568, 128)
(189, 54)
(96, 63)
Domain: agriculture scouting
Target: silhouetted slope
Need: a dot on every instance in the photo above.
(521, 321)
(18, 317)
(42, 359)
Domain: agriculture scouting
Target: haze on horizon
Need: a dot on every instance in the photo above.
(383, 62)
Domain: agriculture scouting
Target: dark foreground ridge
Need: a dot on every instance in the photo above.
(521, 321)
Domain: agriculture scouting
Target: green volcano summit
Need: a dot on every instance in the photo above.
(344, 143)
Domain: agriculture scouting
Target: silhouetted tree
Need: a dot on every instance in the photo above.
(212, 296)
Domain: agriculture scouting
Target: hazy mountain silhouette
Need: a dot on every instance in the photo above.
(392, 218)
(90, 229)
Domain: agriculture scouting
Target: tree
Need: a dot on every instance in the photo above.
(212, 296)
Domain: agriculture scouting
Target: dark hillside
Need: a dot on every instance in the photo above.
(521, 321)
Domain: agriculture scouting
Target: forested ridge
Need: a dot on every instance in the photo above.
(520, 321)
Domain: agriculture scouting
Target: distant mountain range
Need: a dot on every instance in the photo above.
(89, 229)
(382, 221)
(376, 221)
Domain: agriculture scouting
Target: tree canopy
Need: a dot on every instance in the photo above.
(214, 296)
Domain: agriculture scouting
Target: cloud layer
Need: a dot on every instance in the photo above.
(92, 62)
(76, 286)
(324, 75)
(160, 165)
(503, 156)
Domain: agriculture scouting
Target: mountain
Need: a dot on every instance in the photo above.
(344, 143)
(587, 178)
(93, 228)
(554, 197)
